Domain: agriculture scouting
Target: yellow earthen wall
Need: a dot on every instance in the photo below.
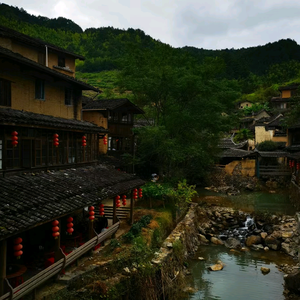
(262, 135)
(248, 167)
(69, 62)
(286, 94)
(280, 139)
(5, 43)
(23, 94)
(244, 104)
(25, 50)
(97, 118)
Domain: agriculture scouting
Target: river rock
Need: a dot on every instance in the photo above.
(232, 243)
(245, 249)
(288, 249)
(216, 267)
(253, 239)
(216, 241)
(287, 234)
(203, 238)
(265, 270)
(263, 235)
(266, 248)
(292, 282)
(272, 243)
(258, 247)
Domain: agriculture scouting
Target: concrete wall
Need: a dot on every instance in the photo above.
(23, 93)
(246, 167)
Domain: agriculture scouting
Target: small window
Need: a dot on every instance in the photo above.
(61, 61)
(40, 89)
(5, 92)
(68, 96)
(124, 118)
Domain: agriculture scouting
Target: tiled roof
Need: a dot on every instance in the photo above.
(228, 143)
(239, 153)
(31, 199)
(10, 33)
(289, 87)
(112, 104)
(279, 99)
(8, 54)
(11, 116)
(272, 153)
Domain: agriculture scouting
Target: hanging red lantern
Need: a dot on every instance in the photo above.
(118, 201)
(298, 166)
(84, 141)
(105, 140)
(124, 200)
(18, 248)
(14, 138)
(55, 229)
(140, 193)
(55, 139)
(135, 194)
(101, 210)
(91, 213)
(70, 225)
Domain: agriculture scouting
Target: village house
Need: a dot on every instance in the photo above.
(53, 184)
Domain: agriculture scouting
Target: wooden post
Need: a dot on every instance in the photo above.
(131, 208)
(114, 211)
(91, 229)
(3, 250)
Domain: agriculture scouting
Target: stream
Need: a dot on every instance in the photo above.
(241, 277)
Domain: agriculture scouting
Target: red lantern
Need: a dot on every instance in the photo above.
(124, 200)
(55, 229)
(298, 166)
(14, 138)
(118, 201)
(70, 225)
(17, 248)
(135, 194)
(140, 193)
(55, 140)
(105, 140)
(91, 213)
(84, 141)
(101, 210)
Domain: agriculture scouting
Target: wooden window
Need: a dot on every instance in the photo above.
(61, 61)
(40, 89)
(42, 58)
(124, 118)
(68, 96)
(5, 92)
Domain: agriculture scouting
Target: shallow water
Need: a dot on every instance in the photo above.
(241, 277)
(254, 201)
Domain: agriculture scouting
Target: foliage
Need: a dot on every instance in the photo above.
(184, 193)
(267, 146)
(156, 191)
(256, 107)
(114, 243)
(242, 135)
(136, 228)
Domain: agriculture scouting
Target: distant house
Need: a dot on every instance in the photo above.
(244, 104)
(283, 102)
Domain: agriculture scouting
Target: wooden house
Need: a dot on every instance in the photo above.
(117, 116)
(283, 102)
(52, 181)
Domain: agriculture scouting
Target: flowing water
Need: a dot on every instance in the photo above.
(241, 277)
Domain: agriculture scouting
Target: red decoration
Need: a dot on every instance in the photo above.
(55, 139)
(84, 141)
(70, 225)
(17, 247)
(298, 166)
(14, 138)
(135, 194)
(124, 200)
(101, 210)
(118, 201)
(55, 229)
(140, 193)
(91, 213)
(105, 140)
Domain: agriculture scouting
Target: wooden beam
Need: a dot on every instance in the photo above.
(3, 250)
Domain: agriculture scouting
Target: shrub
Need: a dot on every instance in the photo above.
(267, 146)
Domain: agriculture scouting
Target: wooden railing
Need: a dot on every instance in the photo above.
(35, 281)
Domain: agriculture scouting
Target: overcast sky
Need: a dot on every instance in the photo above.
(208, 24)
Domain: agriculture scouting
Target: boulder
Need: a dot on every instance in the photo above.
(216, 241)
(253, 239)
(287, 234)
(232, 243)
(272, 243)
(292, 282)
(203, 238)
(265, 270)
(216, 267)
(263, 235)
(288, 249)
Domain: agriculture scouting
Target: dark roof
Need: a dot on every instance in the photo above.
(31, 199)
(236, 153)
(112, 104)
(228, 143)
(272, 153)
(279, 99)
(275, 122)
(8, 54)
(295, 155)
(10, 116)
(23, 38)
(289, 87)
